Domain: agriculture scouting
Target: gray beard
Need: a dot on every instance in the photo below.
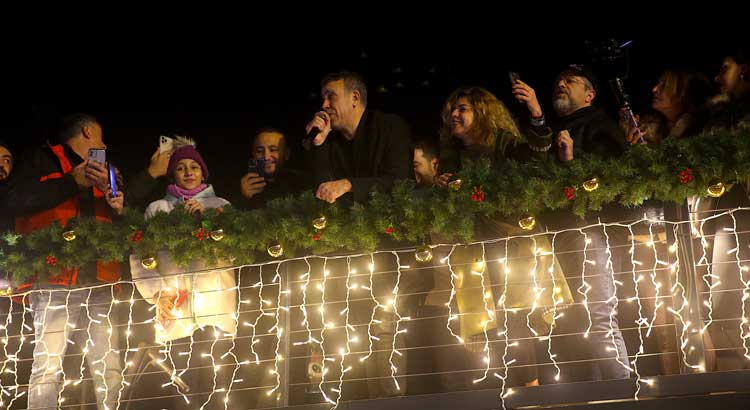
(563, 106)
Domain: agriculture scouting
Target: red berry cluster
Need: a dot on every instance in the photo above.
(390, 230)
(570, 192)
(477, 194)
(51, 260)
(316, 236)
(686, 175)
(137, 236)
(201, 234)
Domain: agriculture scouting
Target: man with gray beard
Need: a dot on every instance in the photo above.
(582, 128)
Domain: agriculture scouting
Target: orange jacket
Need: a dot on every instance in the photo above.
(61, 213)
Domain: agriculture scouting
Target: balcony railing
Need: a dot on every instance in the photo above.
(377, 330)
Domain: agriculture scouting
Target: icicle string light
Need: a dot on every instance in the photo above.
(489, 311)
(584, 289)
(645, 323)
(641, 322)
(371, 269)
(322, 334)
(707, 277)
(398, 317)
(613, 297)
(130, 302)
(506, 274)
(555, 302)
(279, 331)
(451, 317)
(537, 290)
(741, 269)
(234, 338)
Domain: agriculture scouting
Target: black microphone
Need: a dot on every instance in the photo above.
(314, 131)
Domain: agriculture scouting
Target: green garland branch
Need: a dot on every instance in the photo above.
(669, 172)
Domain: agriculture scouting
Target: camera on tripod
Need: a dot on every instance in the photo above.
(606, 52)
(612, 59)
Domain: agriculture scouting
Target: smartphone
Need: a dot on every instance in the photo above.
(98, 155)
(258, 166)
(166, 144)
(514, 77)
(113, 180)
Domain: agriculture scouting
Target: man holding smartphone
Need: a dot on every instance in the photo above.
(57, 183)
(581, 128)
(268, 175)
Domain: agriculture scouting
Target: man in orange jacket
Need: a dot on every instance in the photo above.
(57, 183)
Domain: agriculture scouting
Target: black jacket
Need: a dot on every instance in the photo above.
(28, 194)
(534, 145)
(141, 189)
(730, 114)
(6, 211)
(593, 132)
(288, 181)
(378, 155)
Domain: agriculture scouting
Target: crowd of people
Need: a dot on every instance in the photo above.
(352, 150)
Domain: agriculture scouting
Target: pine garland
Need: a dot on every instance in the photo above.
(406, 215)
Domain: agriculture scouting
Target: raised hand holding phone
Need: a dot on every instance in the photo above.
(254, 181)
(525, 94)
(96, 171)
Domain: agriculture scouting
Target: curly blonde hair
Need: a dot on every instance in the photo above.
(491, 118)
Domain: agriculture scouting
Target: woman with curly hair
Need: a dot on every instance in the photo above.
(476, 125)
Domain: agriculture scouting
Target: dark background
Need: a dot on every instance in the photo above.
(219, 89)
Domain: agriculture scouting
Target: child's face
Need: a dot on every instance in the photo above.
(424, 170)
(188, 174)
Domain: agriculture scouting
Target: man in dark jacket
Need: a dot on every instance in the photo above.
(367, 150)
(354, 152)
(579, 127)
(582, 128)
(278, 179)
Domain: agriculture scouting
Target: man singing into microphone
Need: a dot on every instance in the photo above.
(354, 151)
(367, 150)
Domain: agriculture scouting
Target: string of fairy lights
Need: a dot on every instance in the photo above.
(315, 289)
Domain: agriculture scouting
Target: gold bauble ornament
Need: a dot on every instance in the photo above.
(527, 222)
(149, 263)
(320, 222)
(716, 189)
(217, 234)
(455, 184)
(423, 254)
(275, 250)
(591, 185)
(69, 235)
